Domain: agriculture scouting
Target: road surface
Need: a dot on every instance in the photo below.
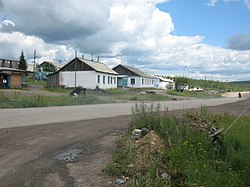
(35, 116)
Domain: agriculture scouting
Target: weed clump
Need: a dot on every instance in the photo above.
(177, 152)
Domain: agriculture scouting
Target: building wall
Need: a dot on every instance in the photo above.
(139, 82)
(15, 80)
(8, 63)
(87, 79)
(53, 80)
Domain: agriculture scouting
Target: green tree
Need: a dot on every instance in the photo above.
(22, 62)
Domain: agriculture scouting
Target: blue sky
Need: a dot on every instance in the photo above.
(216, 23)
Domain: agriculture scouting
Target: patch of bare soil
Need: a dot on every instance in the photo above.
(29, 155)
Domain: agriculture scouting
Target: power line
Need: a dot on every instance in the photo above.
(237, 118)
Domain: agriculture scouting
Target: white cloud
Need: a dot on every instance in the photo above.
(213, 2)
(13, 43)
(7, 23)
(247, 2)
(134, 32)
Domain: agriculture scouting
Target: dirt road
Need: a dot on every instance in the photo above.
(67, 153)
(29, 155)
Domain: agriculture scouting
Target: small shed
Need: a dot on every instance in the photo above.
(11, 77)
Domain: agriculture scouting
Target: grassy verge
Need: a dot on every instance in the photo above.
(60, 90)
(189, 157)
(135, 95)
(19, 101)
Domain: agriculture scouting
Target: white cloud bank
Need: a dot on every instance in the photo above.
(136, 32)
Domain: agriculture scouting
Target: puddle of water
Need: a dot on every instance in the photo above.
(69, 155)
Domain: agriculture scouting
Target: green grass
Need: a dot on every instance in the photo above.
(60, 90)
(31, 81)
(193, 94)
(19, 101)
(191, 158)
(134, 94)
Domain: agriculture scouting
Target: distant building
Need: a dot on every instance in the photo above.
(133, 78)
(163, 83)
(84, 73)
(10, 75)
(7, 63)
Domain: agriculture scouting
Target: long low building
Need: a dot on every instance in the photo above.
(133, 78)
(84, 73)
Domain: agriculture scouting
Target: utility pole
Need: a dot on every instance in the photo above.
(184, 71)
(75, 66)
(34, 65)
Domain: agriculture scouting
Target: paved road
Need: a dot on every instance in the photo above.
(45, 115)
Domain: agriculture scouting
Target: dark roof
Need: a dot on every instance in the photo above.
(98, 66)
(135, 70)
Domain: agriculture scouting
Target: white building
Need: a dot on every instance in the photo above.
(163, 83)
(132, 77)
(84, 73)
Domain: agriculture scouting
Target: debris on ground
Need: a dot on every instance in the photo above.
(166, 176)
(123, 180)
(120, 181)
(138, 133)
(205, 127)
(150, 144)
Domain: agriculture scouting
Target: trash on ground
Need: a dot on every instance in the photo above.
(166, 176)
(130, 165)
(120, 181)
(136, 134)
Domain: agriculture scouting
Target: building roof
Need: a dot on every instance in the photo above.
(98, 66)
(164, 79)
(136, 71)
(11, 69)
(6, 59)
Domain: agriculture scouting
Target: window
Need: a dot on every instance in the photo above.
(108, 80)
(132, 81)
(103, 79)
(114, 80)
(142, 81)
(111, 80)
(98, 78)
